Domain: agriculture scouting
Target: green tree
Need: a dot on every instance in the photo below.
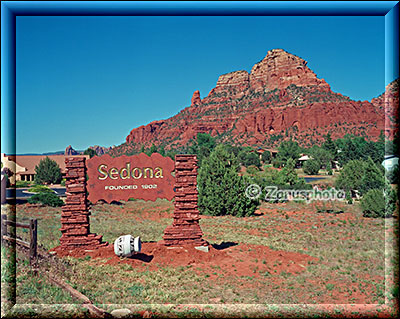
(329, 168)
(288, 173)
(251, 159)
(153, 149)
(377, 203)
(47, 172)
(221, 190)
(235, 150)
(171, 154)
(311, 167)
(361, 176)
(350, 176)
(161, 150)
(321, 155)
(266, 157)
(48, 199)
(91, 152)
(393, 175)
(142, 149)
(202, 146)
(242, 156)
(373, 177)
(329, 145)
(288, 150)
(252, 170)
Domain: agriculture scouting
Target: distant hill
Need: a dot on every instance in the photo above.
(280, 98)
(37, 154)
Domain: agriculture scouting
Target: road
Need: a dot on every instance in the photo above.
(21, 192)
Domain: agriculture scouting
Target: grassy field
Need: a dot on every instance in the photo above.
(285, 254)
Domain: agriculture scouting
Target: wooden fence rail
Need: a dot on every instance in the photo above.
(31, 245)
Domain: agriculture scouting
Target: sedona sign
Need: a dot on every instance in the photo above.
(138, 176)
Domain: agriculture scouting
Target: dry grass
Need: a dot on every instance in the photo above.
(350, 250)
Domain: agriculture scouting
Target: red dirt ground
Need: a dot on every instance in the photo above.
(236, 260)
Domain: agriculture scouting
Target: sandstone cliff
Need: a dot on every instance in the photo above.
(280, 98)
(70, 151)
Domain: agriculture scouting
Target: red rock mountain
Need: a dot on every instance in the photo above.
(70, 151)
(280, 98)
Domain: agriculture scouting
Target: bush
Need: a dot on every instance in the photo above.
(329, 168)
(350, 176)
(48, 199)
(311, 167)
(40, 189)
(251, 159)
(221, 190)
(22, 184)
(91, 152)
(252, 170)
(266, 157)
(288, 150)
(373, 177)
(393, 175)
(47, 172)
(378, 204)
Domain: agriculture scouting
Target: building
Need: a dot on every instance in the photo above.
(390, 162)
(12, 166)
(303, 158)
(23, 166)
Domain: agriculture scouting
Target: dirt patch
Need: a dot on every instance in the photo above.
(224, 259)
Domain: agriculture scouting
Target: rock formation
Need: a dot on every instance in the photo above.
(196, 100)
(388, 103)
(70, 151)
(100, 150)
(280, 98)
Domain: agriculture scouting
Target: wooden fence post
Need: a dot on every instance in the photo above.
(33, 242)
(3, 228)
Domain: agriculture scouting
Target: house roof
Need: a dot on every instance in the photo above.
(30, 161)
(304, 158)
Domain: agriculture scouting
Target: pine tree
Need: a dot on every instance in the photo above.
(373, 177)
(289, 174)
(221, 190)
(47, 172)
(329, 145)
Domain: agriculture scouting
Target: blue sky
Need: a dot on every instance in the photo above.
(85, 81)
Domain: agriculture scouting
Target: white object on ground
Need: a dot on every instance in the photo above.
(127, 245)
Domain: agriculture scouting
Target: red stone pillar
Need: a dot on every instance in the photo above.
(185, 228)
(75, 225)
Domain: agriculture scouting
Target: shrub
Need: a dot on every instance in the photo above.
(277, 163)
(311, 167)
(373, 203)
(288, 173)
(266, 157)
(329, 168)
(350, 176)
(221, 190)
(40, 189)
(252, 170)
(251, 159)
(48, 199)
(22, 184)
(91, 152)
(47, 172)
(288, 149)
(393, 175)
